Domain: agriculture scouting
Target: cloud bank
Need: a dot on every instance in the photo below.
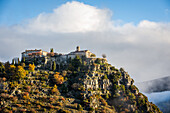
(163, 96)
(140, 49)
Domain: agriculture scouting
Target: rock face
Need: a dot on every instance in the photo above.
(81, 84)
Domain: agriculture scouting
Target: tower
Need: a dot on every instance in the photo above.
(78, 48)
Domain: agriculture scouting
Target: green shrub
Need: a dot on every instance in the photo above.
(91, 109)
(105, 77)
(79, 107)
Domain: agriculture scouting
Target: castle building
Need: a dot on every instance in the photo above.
(79, 53)
(34, 53)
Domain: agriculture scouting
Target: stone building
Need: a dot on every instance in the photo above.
(34, 53)
(79, 53)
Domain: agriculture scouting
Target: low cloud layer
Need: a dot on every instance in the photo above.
(163, 96)
(142, 49)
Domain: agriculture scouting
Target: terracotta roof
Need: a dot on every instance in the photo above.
(33, 50)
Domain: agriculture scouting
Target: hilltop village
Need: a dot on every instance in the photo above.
(76, 82)
(46, 60)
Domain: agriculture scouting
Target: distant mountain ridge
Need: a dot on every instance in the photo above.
(156, 85)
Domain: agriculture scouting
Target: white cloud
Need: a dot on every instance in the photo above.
(71, 17)
(141, 49)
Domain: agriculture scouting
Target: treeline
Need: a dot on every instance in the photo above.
(14, 71)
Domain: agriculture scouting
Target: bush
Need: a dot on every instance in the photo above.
(98, 61)
(31, 67)
(103, 101)
(92, 55)
(105, 77)
(55, 90)
(112, 68)
(79, 107)
(91, 109)
(58, 79)
(106, 96)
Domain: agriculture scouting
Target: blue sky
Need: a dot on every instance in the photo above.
(16, 11)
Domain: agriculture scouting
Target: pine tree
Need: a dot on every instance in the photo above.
(18, 61)
(51, 50)
(23, 60)
(12, 61)
(54, 66)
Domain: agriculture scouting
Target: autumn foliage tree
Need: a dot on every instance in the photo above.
(16, 73)
(11, 71)
(31, 67)
(2, 68)
(20, 72)
(58, 79)
(54, 90)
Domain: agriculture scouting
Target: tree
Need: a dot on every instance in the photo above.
(54, 66)
(31, 67)
(93, 55)
(12, 61)
(23, 65)
(79, 107)
(23, 60)
(58, 79)
(11, 71)
(76, 63)
(54, 90)
(35, 61)
(7, 66)
(18, 61)
(51, 50)
(2, 67)
(104, 55)
(122, 70)
(107, 96)
(20, 72)
(97, 61)
(16, 73)
(105, 77)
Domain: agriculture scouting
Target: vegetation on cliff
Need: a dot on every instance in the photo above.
(79, 86)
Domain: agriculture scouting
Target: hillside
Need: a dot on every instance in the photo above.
(71, 83)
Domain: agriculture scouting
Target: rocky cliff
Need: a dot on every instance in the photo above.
(80, 85)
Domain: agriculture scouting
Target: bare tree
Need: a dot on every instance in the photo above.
(104, 55)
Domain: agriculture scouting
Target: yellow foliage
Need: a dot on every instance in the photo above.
(55, 86)
(12, 67)
(58, 78)
(21, 73)
(57, 73)
(31, 67)
(17, 72)
(26, 96)
(46, 76)
(54, 90)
